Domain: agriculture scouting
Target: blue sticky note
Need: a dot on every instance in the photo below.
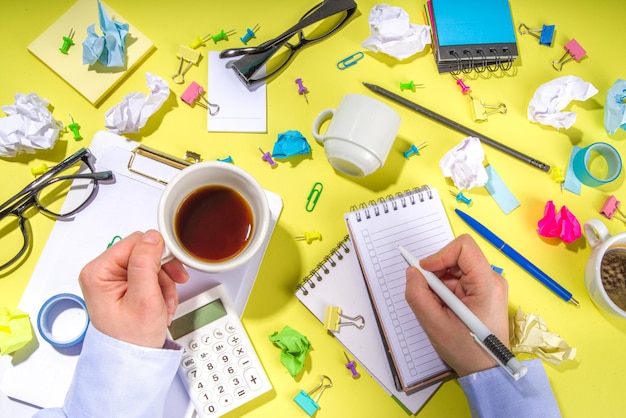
(290, 143)
(499, 191)
(572, 183)
(108, 49)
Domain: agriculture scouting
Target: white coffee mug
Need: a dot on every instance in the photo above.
(360, 134)
(204, 175)
(602, 242)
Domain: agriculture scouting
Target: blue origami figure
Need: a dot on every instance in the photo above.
(290, 143)
(108, 49)
(615, 107)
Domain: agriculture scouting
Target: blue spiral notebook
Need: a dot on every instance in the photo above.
(472, 35)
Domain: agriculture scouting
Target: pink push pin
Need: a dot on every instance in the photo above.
(267, 157)
(464, 87)
(575, 52)
(301, 89)
(194, 93)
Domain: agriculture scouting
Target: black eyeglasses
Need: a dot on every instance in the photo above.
(48, 194)
(318, 23)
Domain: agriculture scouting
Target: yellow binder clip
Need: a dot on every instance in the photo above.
(480, 110)
(332, 319)
(188, 55)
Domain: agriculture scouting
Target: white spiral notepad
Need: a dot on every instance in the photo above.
(416, 220)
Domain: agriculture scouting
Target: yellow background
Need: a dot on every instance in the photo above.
(591, 385)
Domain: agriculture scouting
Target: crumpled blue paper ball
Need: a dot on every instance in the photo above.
(290, 143)
(110, 48)
(615, 108)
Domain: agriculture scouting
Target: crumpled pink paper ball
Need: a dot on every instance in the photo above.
(562, 224)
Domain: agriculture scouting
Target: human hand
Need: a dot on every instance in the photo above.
(129, 295)
(462, 266)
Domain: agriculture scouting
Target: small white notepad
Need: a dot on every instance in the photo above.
(416, 220)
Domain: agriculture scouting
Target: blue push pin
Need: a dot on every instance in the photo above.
(304, 400)
(461, 198)
(228, 159)
(250, 33)
(414, 150)
(497, 269)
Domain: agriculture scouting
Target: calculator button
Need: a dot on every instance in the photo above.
(230, 327)
(205, 397)
(219, 347)
(230, 370)
(235, 381)
(210, 409)
(206, 339)
(199, 386)
(204, 355)
(189, 362)
(193, 374)
(240, 351)
(215, 377)
(220, 390)
(241, 393)
(234, 339)
(218, 333)
(194, 345)
(252, 378)
(224, 358)
(226, 400)
(245, 362)
(210, 366)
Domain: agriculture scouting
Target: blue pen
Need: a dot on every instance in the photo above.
(519, 259)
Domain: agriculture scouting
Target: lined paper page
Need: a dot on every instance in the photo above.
(420, 225)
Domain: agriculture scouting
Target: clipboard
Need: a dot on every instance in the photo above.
(40, 374)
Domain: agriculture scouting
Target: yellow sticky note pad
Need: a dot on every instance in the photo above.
(15, 330)
(93, 82)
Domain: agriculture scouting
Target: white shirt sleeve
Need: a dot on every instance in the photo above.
(115, 379)
(493, 393)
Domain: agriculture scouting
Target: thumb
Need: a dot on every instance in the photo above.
(144, 264)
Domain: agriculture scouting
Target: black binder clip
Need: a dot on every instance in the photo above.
(575, 52)
(545, 34)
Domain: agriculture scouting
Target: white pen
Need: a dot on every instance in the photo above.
(478, 330)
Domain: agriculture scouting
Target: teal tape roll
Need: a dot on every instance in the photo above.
(581, 161)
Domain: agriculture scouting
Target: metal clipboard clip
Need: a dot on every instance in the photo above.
(158, 156)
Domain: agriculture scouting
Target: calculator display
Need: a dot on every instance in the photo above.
(197, 319)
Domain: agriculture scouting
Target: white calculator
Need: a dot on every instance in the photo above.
(219, 368)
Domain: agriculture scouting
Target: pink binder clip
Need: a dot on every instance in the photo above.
(575, 52)
(611, 205)
(194, 93)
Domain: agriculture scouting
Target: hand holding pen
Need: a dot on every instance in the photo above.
(463, 269)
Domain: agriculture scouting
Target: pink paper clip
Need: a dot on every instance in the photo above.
(575, 52)
(194, 93)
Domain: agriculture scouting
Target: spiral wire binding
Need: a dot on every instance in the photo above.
(473, 64)
(323, 267)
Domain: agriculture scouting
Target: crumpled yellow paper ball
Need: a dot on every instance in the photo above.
(15, 330)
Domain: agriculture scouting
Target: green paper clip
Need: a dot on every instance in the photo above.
(315, 193)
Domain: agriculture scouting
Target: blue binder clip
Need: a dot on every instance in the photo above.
(545, 34)
(304, 400)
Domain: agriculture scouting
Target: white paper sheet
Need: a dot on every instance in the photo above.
(241, 109)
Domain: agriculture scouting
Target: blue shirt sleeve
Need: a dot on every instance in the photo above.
(493, 393)
(114, 378)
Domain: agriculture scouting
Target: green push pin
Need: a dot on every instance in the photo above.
(223, 36)
(68, 41)
(409, 86)
(75, 128)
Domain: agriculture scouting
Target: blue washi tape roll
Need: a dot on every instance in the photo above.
(581, 161)
(63, 320)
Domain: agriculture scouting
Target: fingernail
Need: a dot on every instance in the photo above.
(152, 237)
